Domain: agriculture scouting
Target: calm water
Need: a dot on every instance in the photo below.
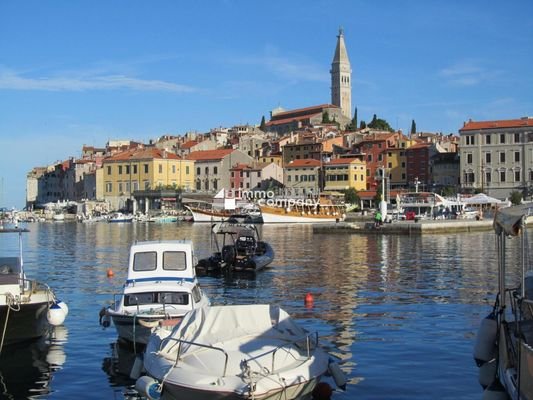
(399, 312)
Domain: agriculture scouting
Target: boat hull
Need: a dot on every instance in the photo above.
(28, 323)
(281, 217)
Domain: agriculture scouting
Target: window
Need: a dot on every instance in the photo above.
(487, 139)
(108, 187)
(517, 156)
(488, 176)
(160, 168)
(517, 176)
(487, 158)
(296, 178)
(502, 157)
(145, 261)
(146, 185)
(517, 138)
(502, 176)
(288, 178)
(198, 172)
(120, 169)
(174, 260)
(120, 189)
(502, 138)
(469, 139)
(369, 158)
(187, 170)
(215, 170)
(109, 170)
(173, 169)
(135, 186)
(127, 169)
(135, 168)
(207, 170)
(469, 158)
(145, 168)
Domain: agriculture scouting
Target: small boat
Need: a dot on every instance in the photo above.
(238, 247)
(163, 218)
(301, 210)
(28, 308)
(58, 216)
(235, 352)
(120, 217)
(160, 288)
(504, 344)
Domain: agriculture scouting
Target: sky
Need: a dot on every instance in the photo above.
(84, 72)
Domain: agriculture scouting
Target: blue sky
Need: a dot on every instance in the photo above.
(85, 72)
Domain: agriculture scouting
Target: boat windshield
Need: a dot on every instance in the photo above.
(145, 298)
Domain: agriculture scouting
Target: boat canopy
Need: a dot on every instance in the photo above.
(216, 324)
(509, 219)
(161, 260)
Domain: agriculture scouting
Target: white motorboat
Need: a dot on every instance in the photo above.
(238, 247)
(28, 308)
(161, 287)
(119, 217)
(504, 344)
(235, 352)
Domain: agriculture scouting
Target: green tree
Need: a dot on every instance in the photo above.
(325, 118)
(262, 126)
(516, 197)
(351, 196)
(362, 125)
(380, 124)
(413, 127)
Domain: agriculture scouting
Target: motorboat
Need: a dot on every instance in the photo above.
(28, 308)
(120, 217)
(238, 247)
(161, 287)
(235, 352)
(504, 345)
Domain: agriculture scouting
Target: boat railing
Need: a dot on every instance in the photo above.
(180, 342)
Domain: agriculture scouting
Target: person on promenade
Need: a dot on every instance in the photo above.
(377, 218)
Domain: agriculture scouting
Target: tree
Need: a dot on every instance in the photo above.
(516, 197)
(263, 124)
(362, 125)
(413, 127)
(353, 125)
(351, 196)
(380, 124)
(325, 118)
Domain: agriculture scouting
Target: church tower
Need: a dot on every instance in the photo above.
(341, 78)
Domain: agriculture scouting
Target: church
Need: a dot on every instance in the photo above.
(340, 109)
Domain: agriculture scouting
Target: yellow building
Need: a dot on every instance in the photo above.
(345, 173)
(276, 159)
(144, 169)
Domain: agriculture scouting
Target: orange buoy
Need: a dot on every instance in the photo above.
(308, 299)
(110, 273)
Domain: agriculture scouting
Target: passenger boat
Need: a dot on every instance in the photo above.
(238, 247)
(120, 217)
(235, 352)
(504, 343)
(301, 210)
(160, 288)
(28, 308)
(207, 212)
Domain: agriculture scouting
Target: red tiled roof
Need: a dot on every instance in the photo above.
(309, 110)
(307, 162)
(342, 161)
(189, 144)
(207, 155)
(241, 166)
(505, 123)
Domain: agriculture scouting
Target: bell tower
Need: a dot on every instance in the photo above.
(341, 78)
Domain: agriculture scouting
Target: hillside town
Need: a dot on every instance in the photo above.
(298, 152)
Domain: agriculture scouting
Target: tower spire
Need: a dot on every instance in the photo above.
(341, 77)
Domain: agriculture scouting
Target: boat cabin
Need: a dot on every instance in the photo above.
(170, 260)
(10, 269)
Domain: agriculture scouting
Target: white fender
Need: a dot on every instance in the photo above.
(485, 347)
(55, 315)
(148, 324)
(63, 306)
(338, 375)
(148, 387)
(487, 373)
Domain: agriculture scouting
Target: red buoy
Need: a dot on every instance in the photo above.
(110, 273)
(308, 300)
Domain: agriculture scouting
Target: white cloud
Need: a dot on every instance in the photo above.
(13, 80)
(467, 73)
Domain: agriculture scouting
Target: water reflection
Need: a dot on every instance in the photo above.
(26, 369)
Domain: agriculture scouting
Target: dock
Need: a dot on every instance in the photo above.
(406, 227)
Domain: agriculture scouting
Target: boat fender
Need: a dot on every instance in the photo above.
(55, 315)
(495, 391)
(147, 323)
(104, 318)
(137, 368)
(63, 306)
(487, 373)
(338, 375)
(485, 347)
(148, 387)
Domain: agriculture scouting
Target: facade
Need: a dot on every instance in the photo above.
(253, 145)
(212, 168)
(445, 169)
(345, 173)
(496, 157)
(301, 151)
(418, 168)
(302, 177)
(143, 169)
(341, 78)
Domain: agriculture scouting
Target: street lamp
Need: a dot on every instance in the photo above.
(417, 182)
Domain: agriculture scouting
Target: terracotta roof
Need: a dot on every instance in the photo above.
(207, 155)
(418, 146)
(189, 144)
(506, 123)
(309, 110)
(308, 162)
(241, 166)
(143, 154)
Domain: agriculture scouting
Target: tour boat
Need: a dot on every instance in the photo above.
(160, 288)
(28, 308)
(238, 247)
(504, 345)
(301, 210)
(235, 352)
